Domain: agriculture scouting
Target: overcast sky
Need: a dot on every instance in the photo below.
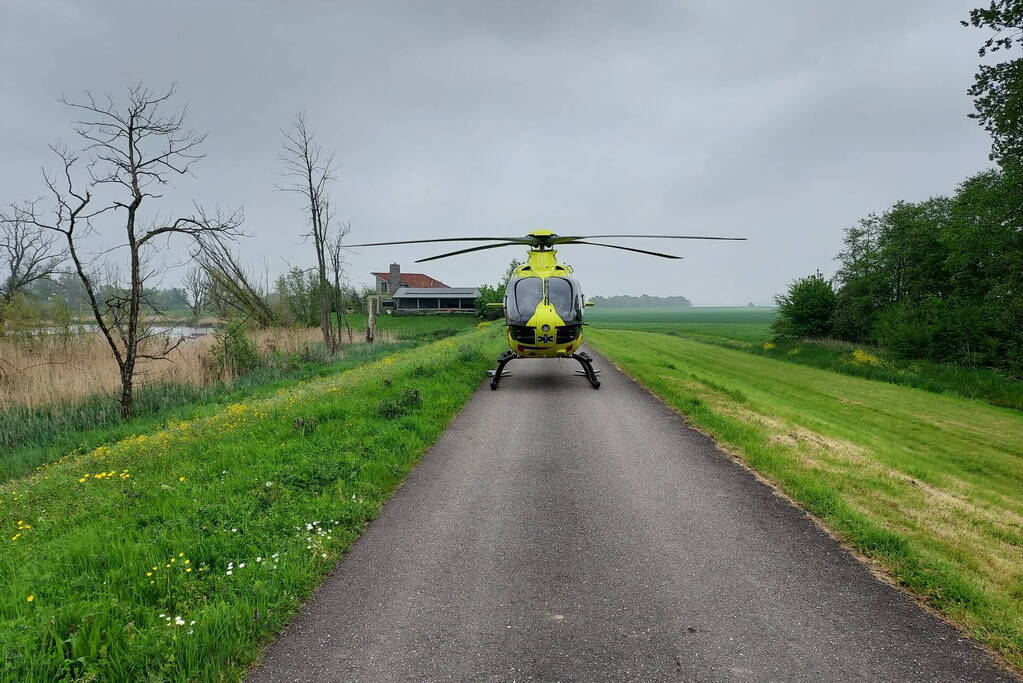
(783, 122)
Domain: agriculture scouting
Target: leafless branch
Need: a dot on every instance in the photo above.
(133, 147)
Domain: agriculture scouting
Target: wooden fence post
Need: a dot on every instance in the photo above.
(371, 324)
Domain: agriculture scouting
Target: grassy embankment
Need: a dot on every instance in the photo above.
(174, 555)
(749, 329)
(929, 486)
(63, 400)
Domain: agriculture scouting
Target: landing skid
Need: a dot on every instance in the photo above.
(588, 372)
(502, 360)
(584, 359)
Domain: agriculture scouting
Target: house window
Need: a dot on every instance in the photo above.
(383, 286)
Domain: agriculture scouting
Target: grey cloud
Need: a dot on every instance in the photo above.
(781, 121)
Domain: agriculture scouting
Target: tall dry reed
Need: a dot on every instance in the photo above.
(48, 369)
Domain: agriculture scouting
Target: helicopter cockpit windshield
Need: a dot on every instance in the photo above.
(521, 298)
(564, 295)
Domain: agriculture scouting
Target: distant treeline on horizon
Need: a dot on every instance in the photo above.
(642, 301)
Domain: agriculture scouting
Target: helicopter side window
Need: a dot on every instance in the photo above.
(521, 298)
(564, 296)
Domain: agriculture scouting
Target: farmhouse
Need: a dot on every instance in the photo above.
(420, 292)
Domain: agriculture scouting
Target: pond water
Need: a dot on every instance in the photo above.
(172, 331)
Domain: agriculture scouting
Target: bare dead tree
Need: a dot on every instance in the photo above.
(311, 171)
(27, 253)
(335, 253)
(196, 285)
(230, 286)
(131, 150)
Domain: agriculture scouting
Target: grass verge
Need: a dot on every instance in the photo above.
(33, 435)
(928, 486)
(175, 555)
(986, 384)
(749, 329)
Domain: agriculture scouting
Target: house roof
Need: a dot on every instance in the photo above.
(420, 280)
(437, 293)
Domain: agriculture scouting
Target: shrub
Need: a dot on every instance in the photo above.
(234, 352)
(490, 295)
(805, 310)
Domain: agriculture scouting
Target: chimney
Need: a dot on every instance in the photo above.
(394, 279)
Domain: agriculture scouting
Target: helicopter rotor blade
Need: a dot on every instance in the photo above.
(638, 251)
(570, 239)
(515, 240)
(466, 251)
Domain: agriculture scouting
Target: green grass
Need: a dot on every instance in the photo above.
(930, 486)
(418, 326)
(259, 500)
(742, 324)
(30, 437)
(986, 384)
(750, 329)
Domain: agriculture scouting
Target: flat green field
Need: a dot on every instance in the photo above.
(742, 324)
(928, 485)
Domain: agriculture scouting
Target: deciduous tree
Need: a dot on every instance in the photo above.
(998, 88)
(28, 253)
(311, 171)
(130, 151)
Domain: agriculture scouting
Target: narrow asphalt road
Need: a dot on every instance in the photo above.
(557, 533)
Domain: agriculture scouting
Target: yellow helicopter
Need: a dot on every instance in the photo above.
(543, 305)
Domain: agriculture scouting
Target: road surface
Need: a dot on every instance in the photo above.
(557, 533)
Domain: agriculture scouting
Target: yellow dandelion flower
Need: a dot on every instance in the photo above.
(154, 569)
(189, 569)
(188, 562)
(181, 478)
(167, 565)
(181, 554)
(31, 598)
(149, 573)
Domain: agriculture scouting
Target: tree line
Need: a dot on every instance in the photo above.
(940, 279)
(641, 301)
(110, 187)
